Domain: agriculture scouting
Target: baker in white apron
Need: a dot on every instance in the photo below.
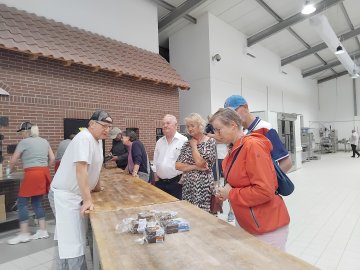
(70, 196)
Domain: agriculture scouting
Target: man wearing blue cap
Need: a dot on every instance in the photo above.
(255, 124)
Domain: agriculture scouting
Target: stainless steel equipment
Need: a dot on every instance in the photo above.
(286, 131)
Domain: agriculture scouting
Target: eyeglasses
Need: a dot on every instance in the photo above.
(105, 126)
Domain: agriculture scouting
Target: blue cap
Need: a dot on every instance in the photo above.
(234, 102)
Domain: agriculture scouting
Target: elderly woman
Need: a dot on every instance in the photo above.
(251, 180)
(137, 159)
(35, 154)
(196, 159)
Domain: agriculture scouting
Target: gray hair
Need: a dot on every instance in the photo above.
(172, 117)
(227, 116)
(197, 119)
(34, 131)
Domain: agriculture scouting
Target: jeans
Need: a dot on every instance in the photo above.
(36, 205)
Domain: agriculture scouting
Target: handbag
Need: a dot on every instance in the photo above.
(285, 186)
(215, 202)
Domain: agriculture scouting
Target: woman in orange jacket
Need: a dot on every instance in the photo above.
(251, 180)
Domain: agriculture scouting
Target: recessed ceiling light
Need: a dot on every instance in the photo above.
(308, 8)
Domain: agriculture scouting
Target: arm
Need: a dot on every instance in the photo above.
(13, 160)
(184, 167)
(136, 169)
(285, 164)
(260, 170)
(51, 157)
(82, 179)
(199, 160)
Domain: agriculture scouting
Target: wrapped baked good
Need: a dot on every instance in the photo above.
(154, 234)
(182, 223)
(134, 226)
(170, 226)
(146, 215)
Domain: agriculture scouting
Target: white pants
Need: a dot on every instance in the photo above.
(276, 238)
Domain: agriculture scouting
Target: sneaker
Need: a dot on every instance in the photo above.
(20, 238)
(231, 217)
(40, 234)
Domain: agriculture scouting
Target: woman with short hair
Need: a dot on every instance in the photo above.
(251, 180)
(197, 157)
(36, 156)
(137, 159)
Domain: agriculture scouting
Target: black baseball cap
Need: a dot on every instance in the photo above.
(24, 126)
(101, 116)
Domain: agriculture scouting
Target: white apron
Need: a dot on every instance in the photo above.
(70, 226)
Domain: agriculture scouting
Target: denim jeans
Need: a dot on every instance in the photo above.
(36, 205)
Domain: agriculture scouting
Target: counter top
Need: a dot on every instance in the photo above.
(210, 244)
(123, 191)
(12, 177)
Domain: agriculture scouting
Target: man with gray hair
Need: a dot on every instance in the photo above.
(167, 150)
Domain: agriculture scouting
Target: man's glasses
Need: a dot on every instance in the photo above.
(105, 126)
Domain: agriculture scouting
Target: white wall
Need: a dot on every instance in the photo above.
(258, 79)
(189, 54)
(336, 106)
(130, 21)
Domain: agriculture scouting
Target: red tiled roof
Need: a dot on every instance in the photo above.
(29, 33)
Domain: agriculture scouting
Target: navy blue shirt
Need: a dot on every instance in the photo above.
(139, 156)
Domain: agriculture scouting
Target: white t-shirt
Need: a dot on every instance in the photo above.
(354, 139)
(222, 150)
(83, 147)
(165, 156)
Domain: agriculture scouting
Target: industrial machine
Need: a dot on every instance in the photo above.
(328, 140)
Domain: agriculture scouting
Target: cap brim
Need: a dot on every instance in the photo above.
(19, 130)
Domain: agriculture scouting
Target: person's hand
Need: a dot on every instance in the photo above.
(114, 158)
(86, 205)
(135, 174)
(223, 192)
(193, 142)
(204, 168)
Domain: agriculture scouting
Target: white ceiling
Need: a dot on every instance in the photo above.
(249, 18)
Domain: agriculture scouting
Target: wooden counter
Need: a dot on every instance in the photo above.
(210, 244)
(123, 191)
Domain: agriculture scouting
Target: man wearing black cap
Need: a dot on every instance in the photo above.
(255, 124)
(118, 149)
(77, 176)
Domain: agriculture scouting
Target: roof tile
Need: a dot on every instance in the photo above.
(30, 33)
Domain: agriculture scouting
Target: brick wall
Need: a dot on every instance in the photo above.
(45, 92)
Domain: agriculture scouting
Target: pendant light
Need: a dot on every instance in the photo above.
(308, 8)
(339, 50)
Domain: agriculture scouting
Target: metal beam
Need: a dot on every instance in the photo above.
(349, 21)
(319, 47)
(327, 66)
(171, 8)
(332, 77)
(323, 5)
(179, 12)
(291, 31)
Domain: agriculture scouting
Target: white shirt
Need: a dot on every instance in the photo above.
(166, 154)
(354, 138)
(222, 150)
(83, 147)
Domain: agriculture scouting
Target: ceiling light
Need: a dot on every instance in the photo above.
(339, 50)
(308, 8)
(355, 75)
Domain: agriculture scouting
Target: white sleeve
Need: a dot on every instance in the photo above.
(82, 151)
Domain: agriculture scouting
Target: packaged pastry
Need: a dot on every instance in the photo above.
(171, 227)
(154, 234)
(146, 215)
(182, 223)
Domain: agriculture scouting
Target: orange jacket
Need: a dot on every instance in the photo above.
(253, 180)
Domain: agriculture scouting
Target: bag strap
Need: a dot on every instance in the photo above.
(232, 162)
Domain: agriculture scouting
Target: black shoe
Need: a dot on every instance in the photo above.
(352, 156)
(358, 156)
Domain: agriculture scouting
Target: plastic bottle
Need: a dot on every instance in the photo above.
(7, 169)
